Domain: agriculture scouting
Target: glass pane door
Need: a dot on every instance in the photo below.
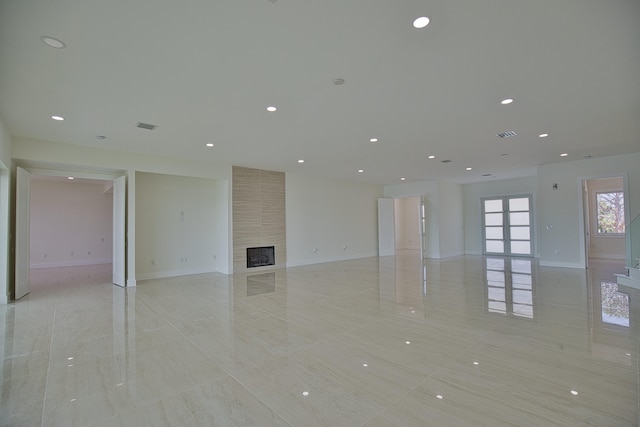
(507, 225)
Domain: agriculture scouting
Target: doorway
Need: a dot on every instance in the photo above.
(507, 225)
(604, 219)
(83, 252)
(402, 226)
(71, 231)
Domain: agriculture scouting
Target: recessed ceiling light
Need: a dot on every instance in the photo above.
(70, 177)
(271, 108)
(58, 118)
(432, 157)
(305, 393)
(503, 155)
(300, 161)
(338, 82)
(360, 170)
(101, 137)
(53, 42)
(506, 101)
(543, 135)
(469, 169)
(421, 22)
(564, 154)
(402, 179)
(210, 144)
(439, 396)
(374, 140)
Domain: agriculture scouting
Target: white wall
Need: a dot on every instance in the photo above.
(407, 226)
(603, 246)
(71, 224)
(562, 209)
(328, 215)
(473, 193)
(176, 226)
(451, 223)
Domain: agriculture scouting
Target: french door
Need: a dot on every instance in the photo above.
(507, 225)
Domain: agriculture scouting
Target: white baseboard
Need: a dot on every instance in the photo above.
(451, 254)
(561, 264)
(172, 273)
(131, 283)
(77, 263)
(472, 253)
(608, 256)
(4, 300)
(311, 261)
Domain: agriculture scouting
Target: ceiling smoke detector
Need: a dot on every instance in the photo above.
(507, 134)
(147, 126)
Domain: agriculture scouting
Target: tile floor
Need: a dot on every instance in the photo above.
(369, 342)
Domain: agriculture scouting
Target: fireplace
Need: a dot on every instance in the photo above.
(259, 257)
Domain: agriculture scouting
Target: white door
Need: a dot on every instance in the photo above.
(386, 227)
(423, 226)
(507, 225)
(119, 266)
(23, 254)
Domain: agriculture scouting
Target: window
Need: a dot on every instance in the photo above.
(610, 212)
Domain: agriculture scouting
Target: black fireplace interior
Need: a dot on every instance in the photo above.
(258, 257)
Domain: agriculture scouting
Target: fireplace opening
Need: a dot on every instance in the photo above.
(258, 257)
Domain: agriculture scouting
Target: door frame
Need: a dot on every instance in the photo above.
(387, 223)
(583, 215)
(65, 171)
(506, 237)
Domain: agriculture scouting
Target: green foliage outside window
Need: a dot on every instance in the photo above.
(610, 213)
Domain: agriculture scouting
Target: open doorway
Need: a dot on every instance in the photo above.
(23, 256)
(401, 226)
(407, 225)
(604, 226)
(71, 232)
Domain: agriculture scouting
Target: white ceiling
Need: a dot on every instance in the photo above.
(205, 71)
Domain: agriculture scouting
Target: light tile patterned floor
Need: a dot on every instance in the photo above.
(477, 341)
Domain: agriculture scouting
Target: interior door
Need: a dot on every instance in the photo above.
(119, 266)
(23, 253)
(423, 226)
(386, 227)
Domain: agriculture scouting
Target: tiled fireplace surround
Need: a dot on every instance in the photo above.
(258, 202)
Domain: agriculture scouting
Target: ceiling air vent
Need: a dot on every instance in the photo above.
(445, 161)
(507, 134)
(146, 126)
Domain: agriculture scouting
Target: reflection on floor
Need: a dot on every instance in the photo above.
(377, 342)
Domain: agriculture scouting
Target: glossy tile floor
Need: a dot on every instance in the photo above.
(369, 342)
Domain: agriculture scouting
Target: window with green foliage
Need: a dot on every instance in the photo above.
(610, 210)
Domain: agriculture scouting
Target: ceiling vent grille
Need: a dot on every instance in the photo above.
(445, 161)
(507, 134)
(147, 126)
